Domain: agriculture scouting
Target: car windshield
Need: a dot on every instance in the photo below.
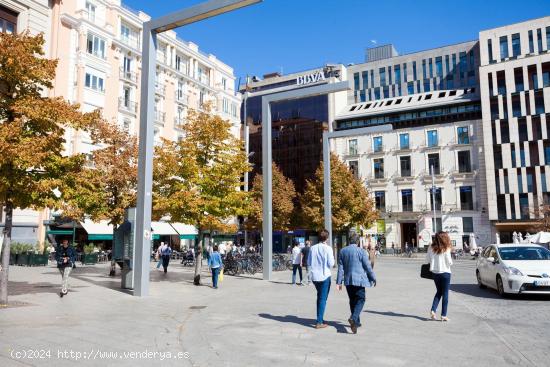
(524, 253)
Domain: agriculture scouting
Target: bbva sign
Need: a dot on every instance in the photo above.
(314, 77)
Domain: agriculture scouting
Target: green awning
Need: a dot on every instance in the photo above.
(59, 231)
(156, 236)
(100, 237)
(188, 236)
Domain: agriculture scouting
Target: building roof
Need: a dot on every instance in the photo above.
(410, 102)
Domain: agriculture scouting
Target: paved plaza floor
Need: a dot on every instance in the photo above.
(251, 322)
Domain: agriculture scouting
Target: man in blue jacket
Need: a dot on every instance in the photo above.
(65, 256)
(355, 271)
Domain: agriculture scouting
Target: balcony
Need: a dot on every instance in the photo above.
(378, 150)
(160, 89)
(91, 17)
(399, 179)
(351, 153)
(459, 176)
(426, 176)
(377, 180)
(403, 148)
(132, 42)
(127, 105)
(160, 117)
(457, 143)
(181, 97)
(178, 122)
(129, 76)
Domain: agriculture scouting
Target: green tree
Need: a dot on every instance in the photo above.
(284, 194)
(107, 186)
(197, 180)
(32, 163)
(351, 203)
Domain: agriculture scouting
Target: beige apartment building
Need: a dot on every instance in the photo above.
(98, 45)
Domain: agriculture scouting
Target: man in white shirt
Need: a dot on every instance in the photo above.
(296, 262)
(320, 262)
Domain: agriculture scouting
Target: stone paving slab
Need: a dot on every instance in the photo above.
(250, 322)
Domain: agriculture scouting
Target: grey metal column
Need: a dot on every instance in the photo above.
(267, 243)
(145, 164)
(327, 186)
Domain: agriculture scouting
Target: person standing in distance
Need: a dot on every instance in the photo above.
(355, 271)
(65, 257)
(296, 262)
(321, 261)
(305, 255)
(216, 265)
(439, 258)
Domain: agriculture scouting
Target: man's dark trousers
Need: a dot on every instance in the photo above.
(356, 296)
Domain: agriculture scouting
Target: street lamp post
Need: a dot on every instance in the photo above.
(145, 162)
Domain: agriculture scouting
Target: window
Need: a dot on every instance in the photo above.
(539, 40)
(354, 168)
(546, 74)
(378, 168)
(464, 163)
(548, 37)
(439, 66)
(410, 88)
(382, 73)
(426, 85)
(356, 81)
(524, 206)
(503, 47)
(404, 141)
(463, 135)
(516, 45)
(405, 72)
(490, 50)
(432, 138)
(352, 146)
(431, 68)
(466, 198)
(390, 75)
(531, 44)
(407, 200)
(90, 8)
(438, 201)
(414, 71)
(380, 200)
(518, 79)
(8, 21)
(178, 62)
(94, 82)
(501, 82)
(433, 163)
(497, 156)
(467, 224)
(372, 78)
(377, 144)
(397, 71)
(522, 129)
(201, 98)
(405, 163)
(539, 102)
(96, 46)
(424, 75)
(127, 95)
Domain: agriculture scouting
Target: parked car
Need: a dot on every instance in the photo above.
(514, 268)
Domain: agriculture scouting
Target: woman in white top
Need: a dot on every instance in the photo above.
(439, 258)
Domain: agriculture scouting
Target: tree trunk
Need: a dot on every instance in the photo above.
(198, 259)
(112, 271)
(6, 257)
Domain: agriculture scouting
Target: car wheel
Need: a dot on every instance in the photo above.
(479, 283)
(500, 287)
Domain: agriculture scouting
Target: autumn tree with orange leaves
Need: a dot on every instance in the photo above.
(32, 164)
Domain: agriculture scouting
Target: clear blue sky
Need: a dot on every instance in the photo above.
(295, 35)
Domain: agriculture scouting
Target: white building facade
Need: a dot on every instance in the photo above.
(515, 97)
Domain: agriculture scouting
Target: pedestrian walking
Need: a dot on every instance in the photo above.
(372, 254)
(355, 272)
(216, 264)
(305, 254)
(165, 253)
(320, 261)
(296, 262)
(439, 258)
(65, 257)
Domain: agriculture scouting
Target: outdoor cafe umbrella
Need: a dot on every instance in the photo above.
(541, 237)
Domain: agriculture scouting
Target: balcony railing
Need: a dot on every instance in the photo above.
(128, 75)
(130, 41)
(127, 105)
(182, 97)
(178, 122)
(160, 117)
(374, 150)
(160, 88)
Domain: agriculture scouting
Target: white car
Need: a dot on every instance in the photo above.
(514, 268)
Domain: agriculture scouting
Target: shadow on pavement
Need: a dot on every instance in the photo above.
(340, 328)
(20, 288)
(474, 291)
(395, 314)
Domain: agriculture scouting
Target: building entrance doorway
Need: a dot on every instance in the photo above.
(408, 235)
